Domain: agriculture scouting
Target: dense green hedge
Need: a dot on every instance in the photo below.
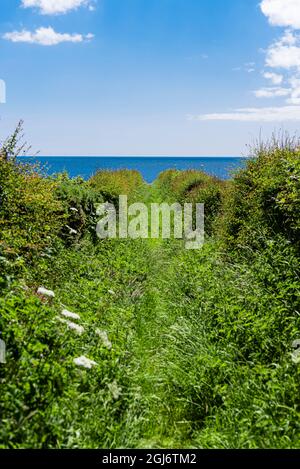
(111, 184)
(31, 215)
(193, 186)
(80, 201)
(264, 198)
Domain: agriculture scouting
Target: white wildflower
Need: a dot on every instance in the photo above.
(73, 209)
(115, 390)
(44, 292)
(72, 325)
(111, 292)
(71, 230)
(68, 314)
(104, 337)
(296, 357)
(85, 362)
(75, 327)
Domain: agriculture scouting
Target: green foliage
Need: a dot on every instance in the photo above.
(46, 400)
(201, 342)
(31, 216)
(38, 213)
(243, 376)
(264, 199)
(193, 186)
(14, 145)
(213, 364)
(111, 184)
(80, 201)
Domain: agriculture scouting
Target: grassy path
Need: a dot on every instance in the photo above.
(153, 325)
(141, 307)
(152, 418)
(185, 353)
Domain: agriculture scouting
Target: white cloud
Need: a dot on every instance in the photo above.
(283, 57)
(275, 78)
(53, 7)
(272, 92)
(295, 90)
(45, 37)
(282, 12)
(293, 101)
(248, 67)
(267, 114)
(284, 53)
(283, 62)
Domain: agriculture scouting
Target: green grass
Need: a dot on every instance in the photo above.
(201, 341)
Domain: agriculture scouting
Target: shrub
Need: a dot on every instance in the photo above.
(36, 211)
(80, 201)
(194, 187)
(264, 198)
(31, 216)
(111, 184)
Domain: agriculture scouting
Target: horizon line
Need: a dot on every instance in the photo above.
(132, 156)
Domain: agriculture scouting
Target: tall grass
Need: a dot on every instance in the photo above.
(193, 186)
(192, 348)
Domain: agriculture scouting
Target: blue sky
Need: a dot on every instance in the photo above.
(149, 77)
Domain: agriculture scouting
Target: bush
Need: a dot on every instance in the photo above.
(80, 201)
(31, 216)
(111, 184)
(264, 198)
(38, 212)
(194, 187)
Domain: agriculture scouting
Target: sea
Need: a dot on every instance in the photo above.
(149, 167)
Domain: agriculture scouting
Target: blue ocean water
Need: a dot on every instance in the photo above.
(149, 167)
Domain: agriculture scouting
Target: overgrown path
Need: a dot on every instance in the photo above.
(147, 344)
(152, 418)
(135, 292)
(193, 350)
(142, 343)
